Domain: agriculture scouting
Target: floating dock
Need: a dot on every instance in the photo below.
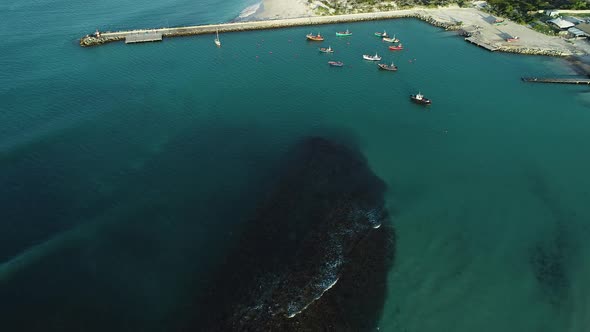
(143, 37)
(482, 44)
(557, 80)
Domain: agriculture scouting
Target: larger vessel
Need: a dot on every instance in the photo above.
(372, 57)
(343, 33)
(313, 37)
(420, 99)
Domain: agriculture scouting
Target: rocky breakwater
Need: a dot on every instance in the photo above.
(534, 51)
(92, 40)
(315, 256)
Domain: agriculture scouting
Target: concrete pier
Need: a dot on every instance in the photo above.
(142, 37)
(480, 43)
(557, 80)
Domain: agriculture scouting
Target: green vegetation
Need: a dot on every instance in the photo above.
(525, 11)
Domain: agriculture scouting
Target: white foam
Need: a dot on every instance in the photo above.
(249, 11)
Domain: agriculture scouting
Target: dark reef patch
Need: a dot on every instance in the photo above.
(314, 258)
(551, 257)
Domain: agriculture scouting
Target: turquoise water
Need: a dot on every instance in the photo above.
(125, 167)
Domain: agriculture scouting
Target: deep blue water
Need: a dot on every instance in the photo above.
(124, 168)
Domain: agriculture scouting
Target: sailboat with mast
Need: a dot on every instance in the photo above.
(217, 41)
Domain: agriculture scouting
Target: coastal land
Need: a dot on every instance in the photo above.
(477, 23)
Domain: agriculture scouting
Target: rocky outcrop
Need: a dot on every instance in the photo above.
(88, 40)
(314, 258)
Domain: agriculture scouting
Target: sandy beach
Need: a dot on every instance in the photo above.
(279, 9)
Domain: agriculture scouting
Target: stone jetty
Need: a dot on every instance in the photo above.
(448, 19)
(107, 37)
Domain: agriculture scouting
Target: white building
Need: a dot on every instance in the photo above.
(561, 24)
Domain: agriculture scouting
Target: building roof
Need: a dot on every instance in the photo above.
(574, 20)
(577, 32)
(584, 27)
(562, 24)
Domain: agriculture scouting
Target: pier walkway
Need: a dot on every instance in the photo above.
(142, 37)
(481, 43)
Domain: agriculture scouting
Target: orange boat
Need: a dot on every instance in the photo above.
(313, 37)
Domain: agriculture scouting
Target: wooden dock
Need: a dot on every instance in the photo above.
(557, 80)
(480, 43)
(143, 37)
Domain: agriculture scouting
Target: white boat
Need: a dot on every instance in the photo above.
(391, 40)
(217, 41)
(372, 57)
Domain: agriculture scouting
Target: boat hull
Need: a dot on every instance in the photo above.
(387, 67)
(371, 58)
(422, 101)
(335, 63)
(314, 38)
(343, 34)
(396, 48)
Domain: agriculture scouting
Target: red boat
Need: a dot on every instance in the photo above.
(398, 47)
(313, 37)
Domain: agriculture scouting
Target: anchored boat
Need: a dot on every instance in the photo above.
(397, 47)
(335, 63)
(391, 40)
(313, 37)
(372, 57)
(381, 34)
(391, 67)
(326, 49)
(420, 99)
(343, 33)
(217, 41)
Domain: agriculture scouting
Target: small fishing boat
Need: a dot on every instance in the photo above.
(391, 67)
(217, 41)
(420, 99)
(391, 40)
(372, 57)
(397, 47)
(512, 39)
(381, 34)
(326, 49)
(313, 37)
(343, 33)
(335, 63)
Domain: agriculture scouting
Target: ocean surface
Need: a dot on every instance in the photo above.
(125, 169)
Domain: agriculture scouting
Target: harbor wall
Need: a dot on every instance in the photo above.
(107, 37)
